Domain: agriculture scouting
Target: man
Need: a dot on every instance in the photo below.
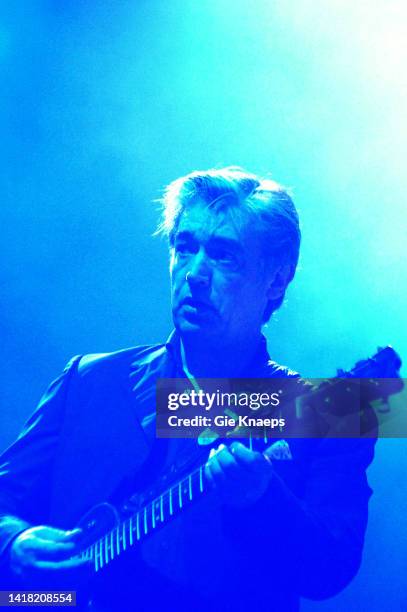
(269, 532)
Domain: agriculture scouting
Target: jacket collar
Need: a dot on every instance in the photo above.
(258, 366)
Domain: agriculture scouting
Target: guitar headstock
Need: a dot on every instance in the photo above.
(381, 371)
(385, 363)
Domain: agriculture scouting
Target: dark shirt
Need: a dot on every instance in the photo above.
(94, 429)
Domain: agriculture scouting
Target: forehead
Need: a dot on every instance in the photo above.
(204, 224)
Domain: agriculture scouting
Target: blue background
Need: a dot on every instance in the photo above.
(104, 102)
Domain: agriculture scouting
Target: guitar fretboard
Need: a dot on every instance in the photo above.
(148, 518)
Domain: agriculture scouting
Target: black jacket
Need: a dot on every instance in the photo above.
(94, 429)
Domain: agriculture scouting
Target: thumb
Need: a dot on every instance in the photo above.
(56, 535)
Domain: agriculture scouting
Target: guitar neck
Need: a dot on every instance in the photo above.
(148, 518)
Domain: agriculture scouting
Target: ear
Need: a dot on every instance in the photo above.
(279, 281)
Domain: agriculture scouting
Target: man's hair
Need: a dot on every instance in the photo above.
(267, 202)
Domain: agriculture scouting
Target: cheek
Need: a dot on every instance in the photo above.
(250, 299)
(176, 270)
(177, 278)
(231, 296)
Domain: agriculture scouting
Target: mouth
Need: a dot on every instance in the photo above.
(192, 304)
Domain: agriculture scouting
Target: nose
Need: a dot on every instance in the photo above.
(200, 272)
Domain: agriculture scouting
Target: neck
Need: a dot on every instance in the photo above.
(218, 360)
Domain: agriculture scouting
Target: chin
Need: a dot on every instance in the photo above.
(201, 329)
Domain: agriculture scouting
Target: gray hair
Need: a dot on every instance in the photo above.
(268, 203)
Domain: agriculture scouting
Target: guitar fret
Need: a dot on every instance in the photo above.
(180, 494)
(145, 521)
(101, 557)
(118, 551)
(190, 486)
(111, 545)
(138, 526)
(201, 479)
(131, 531)
(171, 509)
(124, 543)
(106, 551)
(153, 514)
(96, 557)
(161, 509)
(100, 554)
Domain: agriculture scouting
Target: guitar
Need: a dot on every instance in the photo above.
(109, 531)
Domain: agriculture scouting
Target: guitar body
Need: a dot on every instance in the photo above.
(98, 521)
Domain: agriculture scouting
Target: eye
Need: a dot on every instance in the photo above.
(224, 257)
(184, 247)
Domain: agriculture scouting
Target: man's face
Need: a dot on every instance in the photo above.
(219, 285)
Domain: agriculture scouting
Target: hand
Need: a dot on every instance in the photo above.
(240, 475)
(44, 557)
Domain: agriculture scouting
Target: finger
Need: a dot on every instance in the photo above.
(215, 471)
(45, 549)
(55, 535)
(56, 550)
(67, 564)
(215, 451)
(74, 534)
(208, 476)
(248, 459)
(208, 473)
(228, 464)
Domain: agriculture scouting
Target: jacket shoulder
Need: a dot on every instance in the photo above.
(119, 359)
